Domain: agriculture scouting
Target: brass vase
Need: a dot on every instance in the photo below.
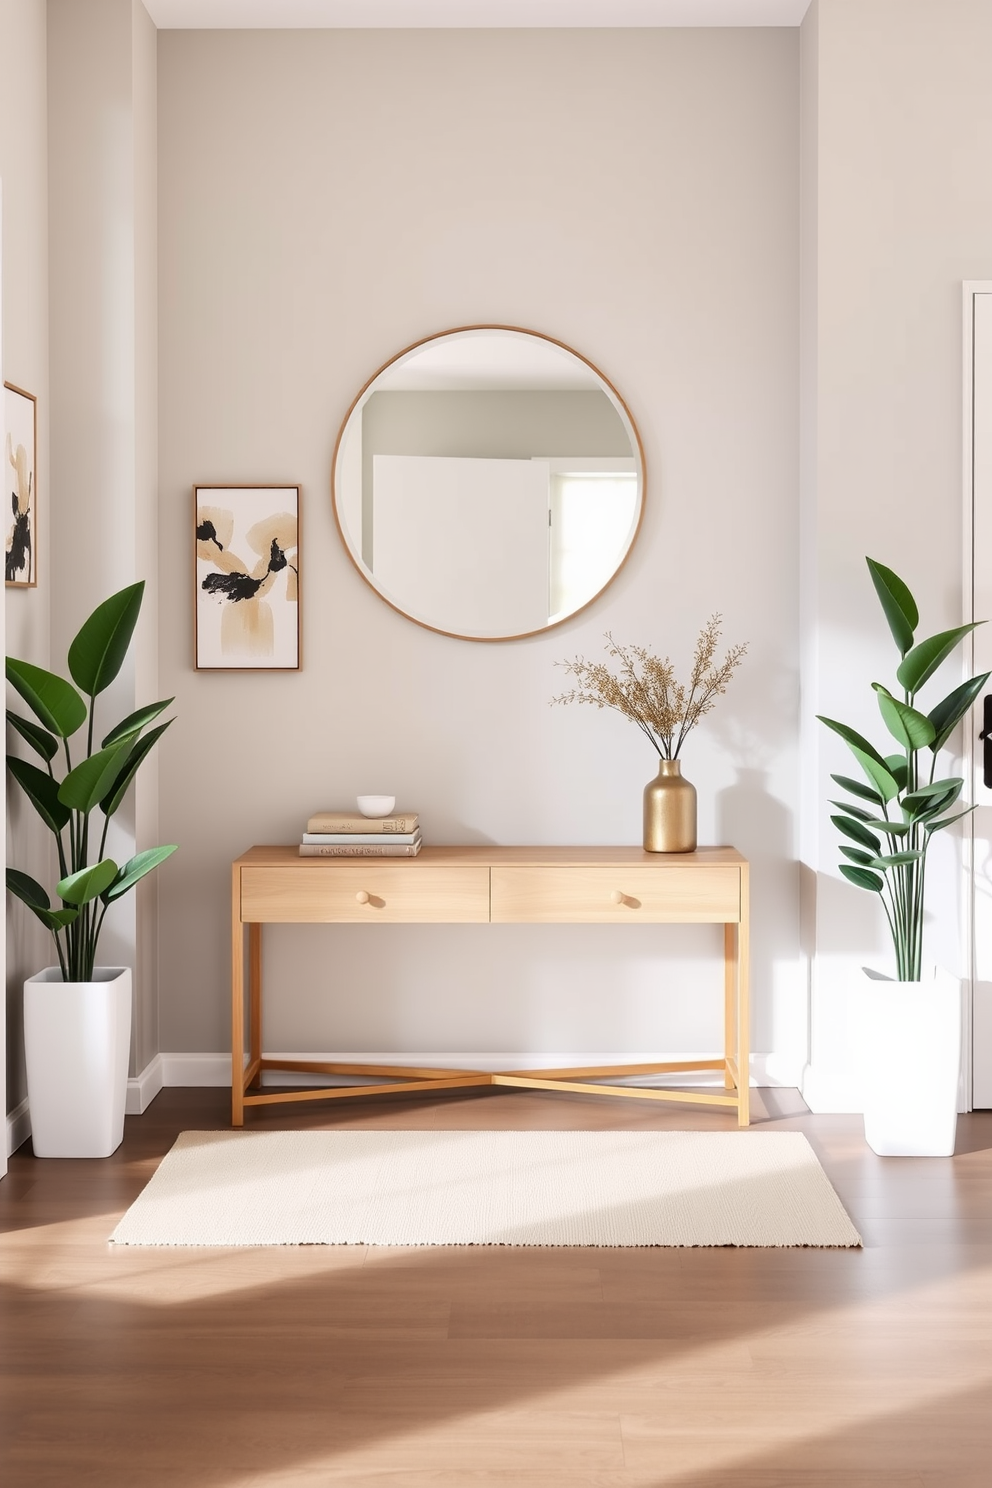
(669, 811)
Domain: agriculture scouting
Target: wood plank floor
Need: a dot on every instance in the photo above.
(500, 1368)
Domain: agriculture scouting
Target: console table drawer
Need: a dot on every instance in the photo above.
(369, 891)
(621, 895)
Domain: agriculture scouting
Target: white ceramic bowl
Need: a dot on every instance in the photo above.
(375, 805)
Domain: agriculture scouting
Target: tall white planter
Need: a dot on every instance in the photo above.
(77, 1037)
(910, 1045)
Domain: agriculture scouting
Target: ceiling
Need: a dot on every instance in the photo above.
(373, 14)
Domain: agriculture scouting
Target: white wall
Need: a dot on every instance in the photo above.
(78, 150)
(898, 136)
(327, 198)
(24, 172)
(102, 164)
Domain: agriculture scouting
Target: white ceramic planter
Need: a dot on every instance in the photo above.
(910, 1044)
(77, 1038)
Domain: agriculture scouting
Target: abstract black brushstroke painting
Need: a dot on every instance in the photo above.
(20, 489)
(247, 612)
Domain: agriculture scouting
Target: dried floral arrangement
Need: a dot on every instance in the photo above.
(644, 688)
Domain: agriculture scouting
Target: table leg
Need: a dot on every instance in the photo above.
(729, 1000)
(255, 1002)
(237, 1005)
(744, 1004)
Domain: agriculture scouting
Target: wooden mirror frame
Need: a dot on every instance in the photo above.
(636, 447)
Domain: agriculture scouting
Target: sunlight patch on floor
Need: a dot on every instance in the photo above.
(155, 1277)
(834, 1372)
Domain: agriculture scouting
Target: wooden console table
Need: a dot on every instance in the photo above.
(498, 885)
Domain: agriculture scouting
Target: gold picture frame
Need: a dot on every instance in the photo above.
(246, 587)
(20, 463)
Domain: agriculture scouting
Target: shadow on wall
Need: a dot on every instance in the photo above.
(754, 821)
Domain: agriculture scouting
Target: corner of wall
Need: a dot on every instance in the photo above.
(24, 171)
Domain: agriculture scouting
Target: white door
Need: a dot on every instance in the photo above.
(3, 845)
(462, 543)
(978, 558)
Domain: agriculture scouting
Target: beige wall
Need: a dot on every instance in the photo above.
(898, 139)
(24, 173)
(328, 198)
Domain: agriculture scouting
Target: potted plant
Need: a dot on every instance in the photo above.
(77, 1015)
(910, 1027)
(645, 690)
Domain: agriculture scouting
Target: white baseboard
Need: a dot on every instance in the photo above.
(196, 1069)
(215, 1069)
(18, 1126)
(142, 1089)
(828, 1092)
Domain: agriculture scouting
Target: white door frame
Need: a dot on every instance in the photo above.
(971, 288)
(3, 844)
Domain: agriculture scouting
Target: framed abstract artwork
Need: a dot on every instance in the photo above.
(20, 463)
(247, 585)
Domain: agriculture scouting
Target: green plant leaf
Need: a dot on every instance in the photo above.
(852, 810)
(89, 883)
(853, 739)
(897, 602)
(937, 805)
(910, 728)
(920, 664)
(898, 769)
(867, 757)
(886, 782)
(935, 788)
(862, 878)
(52, 700)
(857, 855)
(135, 722)
(857, 831)
(135, 869)
(948, 821)
(859, 789)
(112, 798)
(896, 860)
(943, 803)
(83, 787)
(948, 713)
(57, 919)
(891, 829)
(98, 651)
(30, 892)
(41, 790)
(27, 889)
(40, 739)
(931, 799)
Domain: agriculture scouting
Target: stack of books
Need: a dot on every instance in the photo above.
(344, 834)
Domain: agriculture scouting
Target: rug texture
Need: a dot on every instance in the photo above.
(488, 1188)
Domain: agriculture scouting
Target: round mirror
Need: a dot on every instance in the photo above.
(488, 482)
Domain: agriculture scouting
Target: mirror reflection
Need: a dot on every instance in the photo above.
(488, 483)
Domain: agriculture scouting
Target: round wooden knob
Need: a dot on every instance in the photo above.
(617, 896)
(362, 897)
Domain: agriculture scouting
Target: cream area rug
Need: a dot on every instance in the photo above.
(488, 1188)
